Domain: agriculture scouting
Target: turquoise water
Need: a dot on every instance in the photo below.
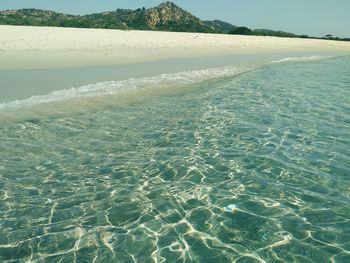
(247, 164)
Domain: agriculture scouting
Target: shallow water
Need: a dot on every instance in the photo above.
(252, 167)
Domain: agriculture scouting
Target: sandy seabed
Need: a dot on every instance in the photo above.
(51, 47)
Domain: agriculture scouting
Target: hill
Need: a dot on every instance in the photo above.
(220, 26)
(165, 17)
(261, 32)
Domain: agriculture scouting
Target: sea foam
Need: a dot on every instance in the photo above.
(300, 59)
(131, 85)
(103, 95)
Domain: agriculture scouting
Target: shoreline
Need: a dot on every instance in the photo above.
(41, 81)
(55, 47)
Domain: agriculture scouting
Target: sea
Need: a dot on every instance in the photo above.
(232, 159)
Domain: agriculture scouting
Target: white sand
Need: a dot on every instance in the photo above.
(43, 47)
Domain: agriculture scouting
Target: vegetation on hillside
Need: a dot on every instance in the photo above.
(220, 26)
(268, 32)
(165, 17)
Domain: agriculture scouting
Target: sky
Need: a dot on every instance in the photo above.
(311, 17)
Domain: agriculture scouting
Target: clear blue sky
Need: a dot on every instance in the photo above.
(312, 17)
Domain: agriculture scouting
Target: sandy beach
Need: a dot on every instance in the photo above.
(23, 47)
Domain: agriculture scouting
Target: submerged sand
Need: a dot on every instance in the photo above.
(50, 47)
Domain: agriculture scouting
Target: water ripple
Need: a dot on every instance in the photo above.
(247, 169)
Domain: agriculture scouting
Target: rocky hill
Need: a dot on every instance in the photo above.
(165, 17)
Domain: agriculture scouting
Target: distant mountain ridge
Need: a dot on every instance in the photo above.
(220, 26)
(165, 17)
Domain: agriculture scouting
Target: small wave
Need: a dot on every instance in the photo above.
(113, 87)
(299, 59)
(95, 96)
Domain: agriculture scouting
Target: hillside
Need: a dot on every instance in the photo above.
(220, 26)
(262, 32)
(165, 17)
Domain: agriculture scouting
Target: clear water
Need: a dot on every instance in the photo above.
(194, 167)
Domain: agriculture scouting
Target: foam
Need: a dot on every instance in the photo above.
(103, 94)
(300, 59)
(132, 84)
